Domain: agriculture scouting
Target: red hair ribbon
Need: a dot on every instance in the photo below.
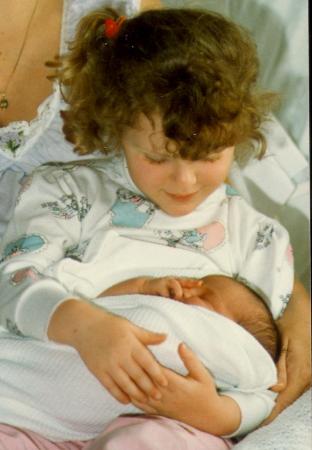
(112, 27)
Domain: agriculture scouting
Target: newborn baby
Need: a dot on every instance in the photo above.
(211, 316)
(217, 293)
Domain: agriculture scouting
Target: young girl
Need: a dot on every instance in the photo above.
(171, 94)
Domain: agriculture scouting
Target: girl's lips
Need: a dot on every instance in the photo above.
(181, 198)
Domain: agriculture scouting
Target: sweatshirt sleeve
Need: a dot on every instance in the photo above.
(254, 407)
(46, 222)
(262, 255)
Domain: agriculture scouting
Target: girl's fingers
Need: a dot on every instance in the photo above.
(143, 381)
(194, 366)
(174, 289)
(189, 293)
(128, 386)
(190, 282)
(153, 369)
(149, 337)
(143, 406)
(114, 390)
(193, 292)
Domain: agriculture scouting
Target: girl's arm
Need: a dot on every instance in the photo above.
(131, 286)
(46, 226)
(112, 348)
(294, 375)
(35, 240)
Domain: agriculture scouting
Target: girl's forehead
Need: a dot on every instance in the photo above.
(148, 124)
(149, 131)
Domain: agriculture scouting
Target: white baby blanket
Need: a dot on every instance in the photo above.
(47, 388)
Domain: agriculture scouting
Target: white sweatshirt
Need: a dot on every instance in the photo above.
(80, 228)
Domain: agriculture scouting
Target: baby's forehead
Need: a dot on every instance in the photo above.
(233, 294)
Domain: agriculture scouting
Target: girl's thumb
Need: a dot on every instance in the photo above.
(150, 337)
(193, 365)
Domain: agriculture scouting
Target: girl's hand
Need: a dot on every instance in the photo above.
(168, 286)
(194, 400)
(112, 348)
(294, 365)
(165, 287)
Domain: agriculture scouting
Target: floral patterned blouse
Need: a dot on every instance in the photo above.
(25, 145)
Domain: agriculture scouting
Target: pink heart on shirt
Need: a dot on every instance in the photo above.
(213, 235)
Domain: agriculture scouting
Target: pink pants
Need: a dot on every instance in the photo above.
(139, 432)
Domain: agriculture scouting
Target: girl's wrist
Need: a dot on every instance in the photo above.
(221, 416)
(68, 319)
(229, 409)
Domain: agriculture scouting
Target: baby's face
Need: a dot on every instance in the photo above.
(224, 296)
(214, 300)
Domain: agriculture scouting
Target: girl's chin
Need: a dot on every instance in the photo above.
(177, 206)
(177, 210)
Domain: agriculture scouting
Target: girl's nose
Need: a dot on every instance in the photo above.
(183, 173)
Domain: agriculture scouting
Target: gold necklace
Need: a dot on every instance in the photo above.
(4, 102)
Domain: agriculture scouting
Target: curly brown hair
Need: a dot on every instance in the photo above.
(196, 68)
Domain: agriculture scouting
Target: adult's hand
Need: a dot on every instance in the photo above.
(294, 365)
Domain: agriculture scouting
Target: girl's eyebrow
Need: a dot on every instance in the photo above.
(148, 147)
(140, 148)
(152, 153)
(133, 140)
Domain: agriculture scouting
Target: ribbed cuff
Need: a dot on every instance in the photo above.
(255, 407)
(36, 306)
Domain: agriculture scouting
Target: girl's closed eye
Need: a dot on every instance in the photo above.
(212, 158)
(154, 159)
